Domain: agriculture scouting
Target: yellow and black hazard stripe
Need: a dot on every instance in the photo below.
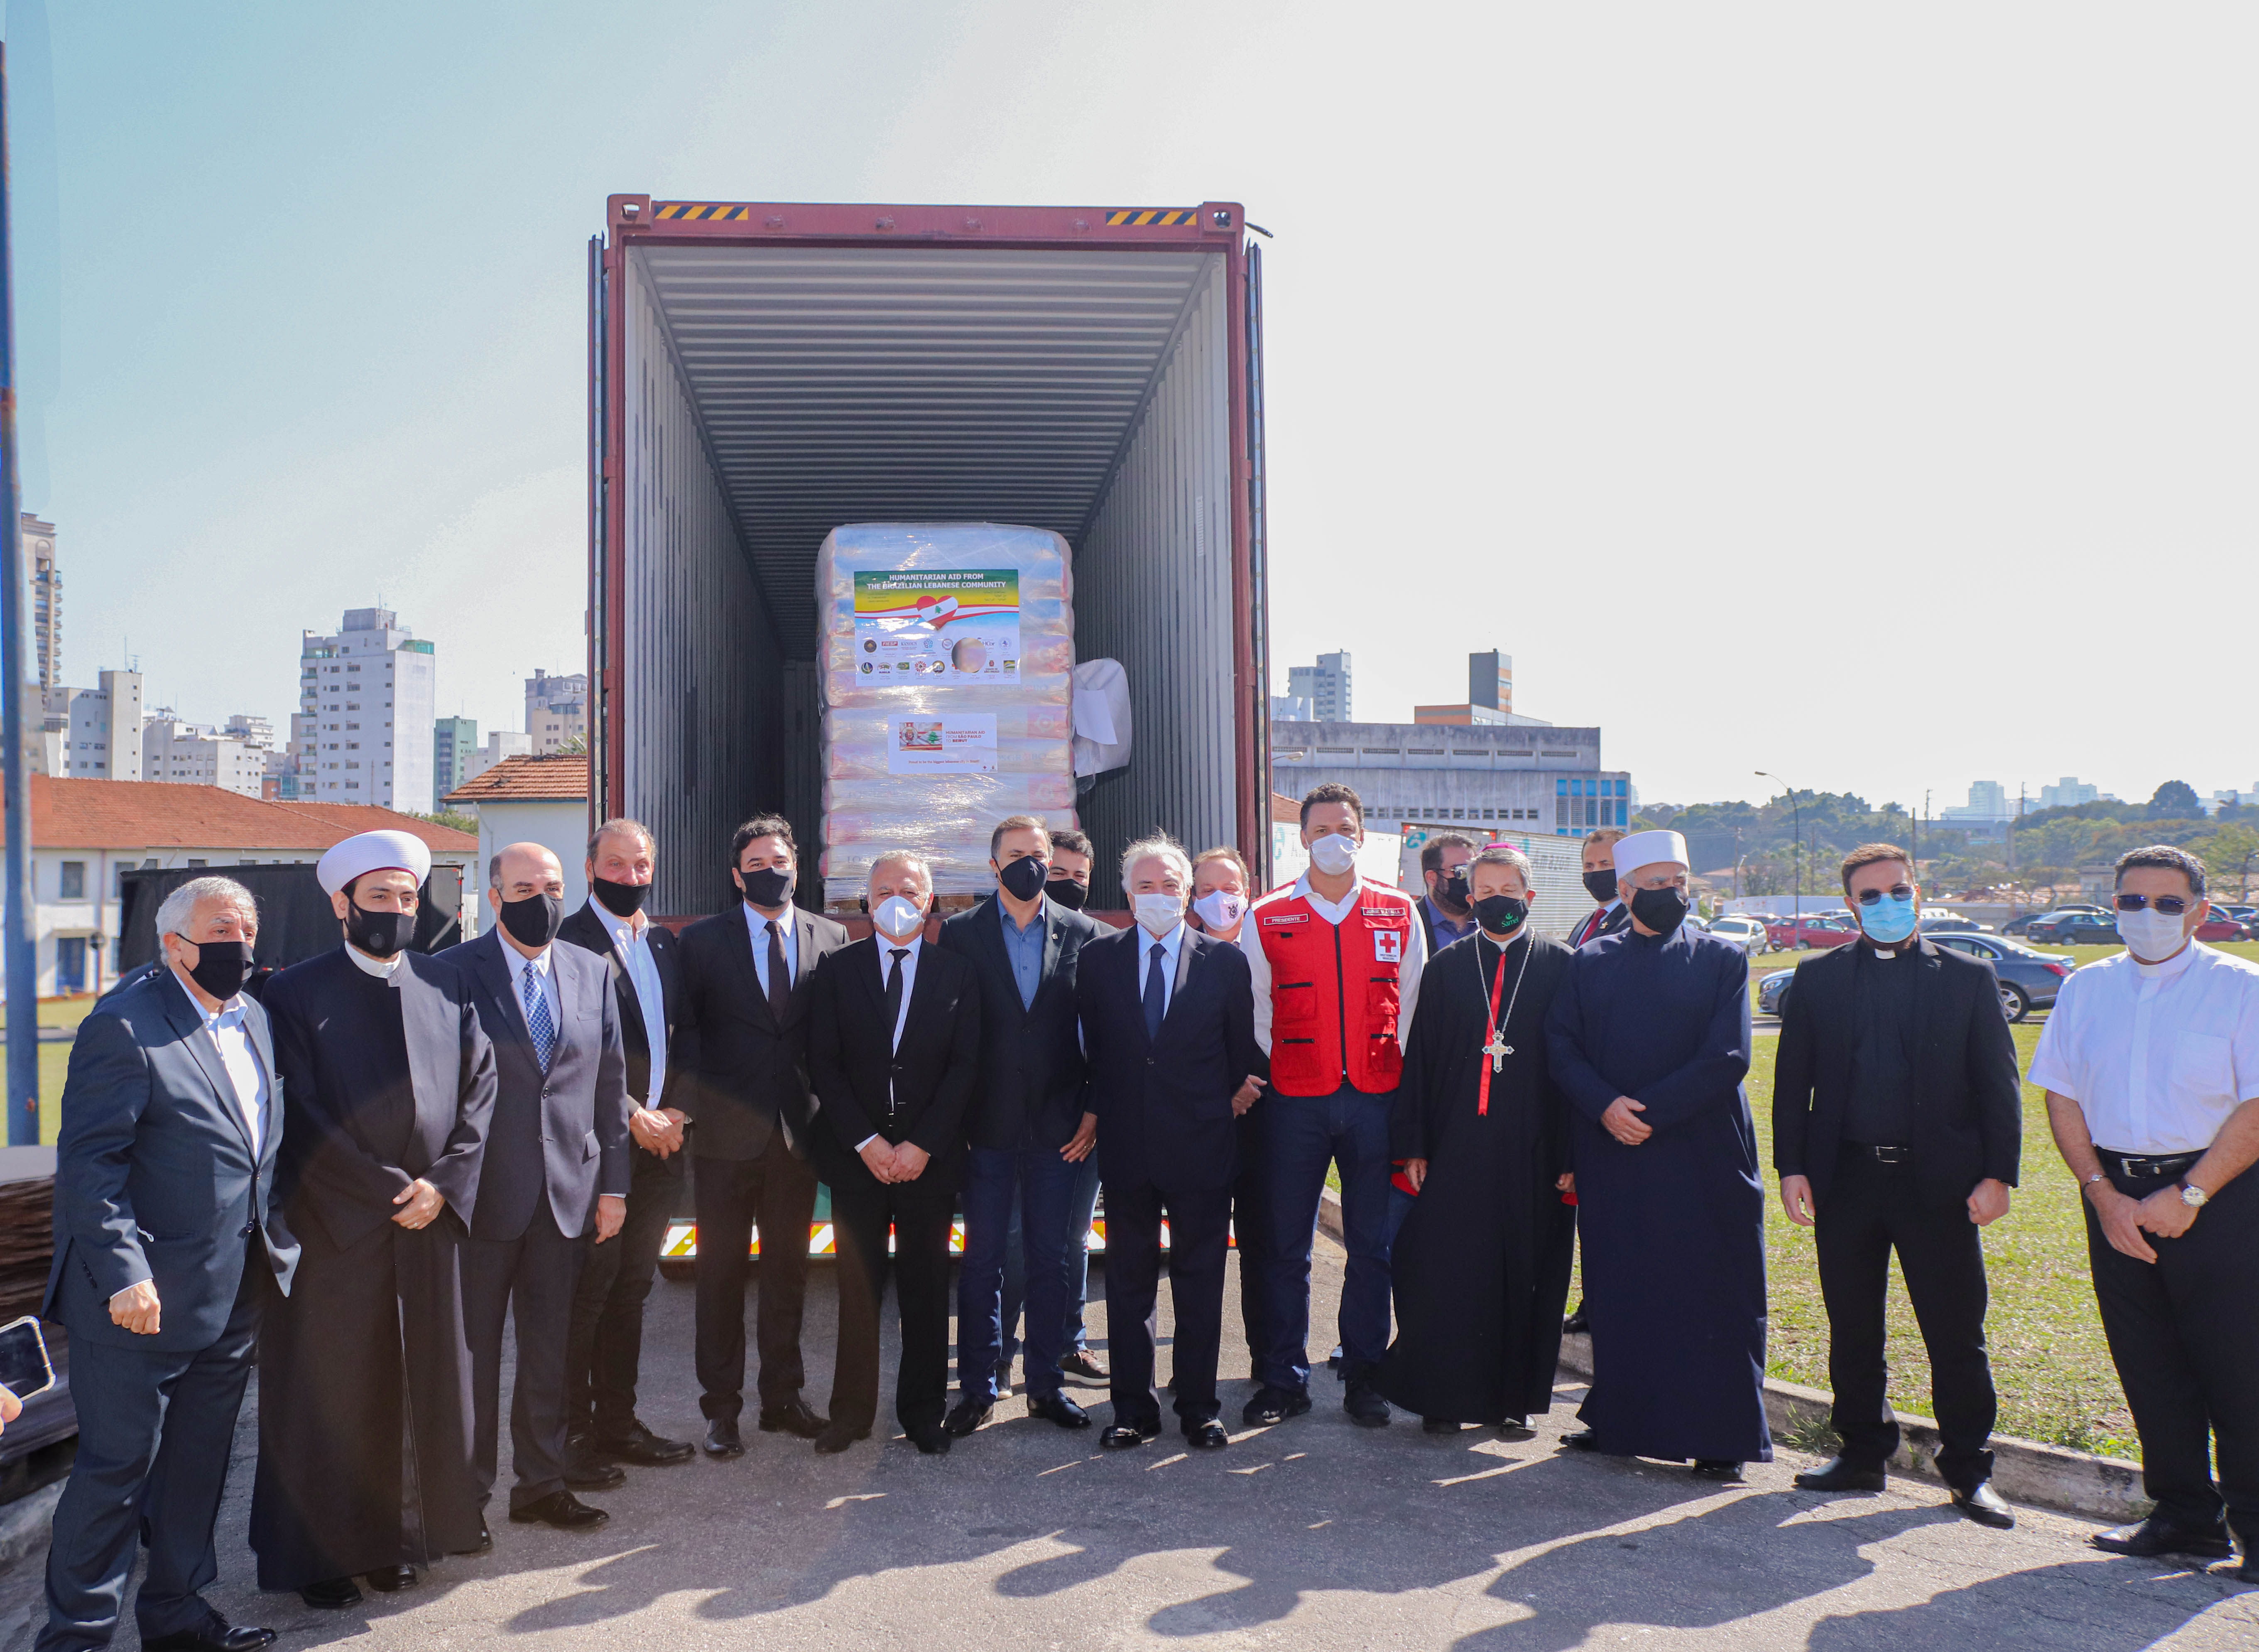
(702, 212)
(1160, 217)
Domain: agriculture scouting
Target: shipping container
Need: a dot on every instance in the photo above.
(762, 373)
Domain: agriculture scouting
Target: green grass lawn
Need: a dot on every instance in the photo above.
(54, 1059)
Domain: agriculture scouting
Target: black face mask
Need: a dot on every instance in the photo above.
(1602, 885)
(1023, 879)
(222, 967)
(766, 886)
(1451, 890)
(534, 921)
(1067, 892)
(379, 933)
(1661, 910)
(622, 899)
(1500, 913)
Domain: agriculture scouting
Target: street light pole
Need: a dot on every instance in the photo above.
(21, 962)
(1796, 845)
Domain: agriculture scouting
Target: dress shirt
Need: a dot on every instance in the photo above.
(1589, 925)
(1408, 973)
(539, 965)
(886, 948)
(2156, 1054)
(237, 1055)
(630, 938)
(789, 933)
(1171, 944)
(380, 967)
(1450, 929)
(1884, 1042)
(1024, 950)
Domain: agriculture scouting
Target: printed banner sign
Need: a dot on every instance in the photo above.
(950, 625)
(942, 745)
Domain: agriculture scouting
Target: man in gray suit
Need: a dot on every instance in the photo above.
(164, 1236)
(556, 1165)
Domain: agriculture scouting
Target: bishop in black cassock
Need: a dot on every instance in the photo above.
(1673, 1225)
(365, 1377)
(1481, 1264)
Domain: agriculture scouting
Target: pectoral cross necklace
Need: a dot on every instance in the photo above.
(1498, 1049)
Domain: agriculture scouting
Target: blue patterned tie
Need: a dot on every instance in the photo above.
(536, 1019)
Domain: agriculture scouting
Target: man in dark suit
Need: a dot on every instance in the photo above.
(893, 1044)
(607, 1347)
(1169, 1020)
(165, 1233)
(1610, 915)
(743, 1082)
(1897, 1122)
(556, 1165)
(1027, 1125)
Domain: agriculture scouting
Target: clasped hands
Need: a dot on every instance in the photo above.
(658, 1130)
(2125, 1219)
(894, 1162)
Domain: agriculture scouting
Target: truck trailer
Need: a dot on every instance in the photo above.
(762, 373)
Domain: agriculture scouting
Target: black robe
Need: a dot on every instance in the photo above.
(1673, 1230)
(364, 1376)
(1481, 1264)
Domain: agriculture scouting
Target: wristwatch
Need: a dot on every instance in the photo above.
(2194, 1197)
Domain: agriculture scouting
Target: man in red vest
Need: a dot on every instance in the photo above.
(1336, 965)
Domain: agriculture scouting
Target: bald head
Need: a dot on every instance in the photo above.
(519, 870)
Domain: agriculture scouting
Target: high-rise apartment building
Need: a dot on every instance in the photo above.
(1325, 685)
(46, 599)
(501, 742)
(453, 741)
(96, 731)
(197, 754)
(2068, 793)
(1490, 680)
(364, 696)
(556, 710)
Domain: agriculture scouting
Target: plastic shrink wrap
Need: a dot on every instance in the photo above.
(948, 662)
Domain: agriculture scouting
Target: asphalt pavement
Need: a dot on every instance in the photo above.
(1315, 1533)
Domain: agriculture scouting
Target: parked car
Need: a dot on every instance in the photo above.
(2022, 925)
(1941, 922)
(1814, 929)
(1747, 933)
(2030, 980)
(2222, 926)
(2074, 926)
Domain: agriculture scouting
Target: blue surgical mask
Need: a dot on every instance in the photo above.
(1889, 921)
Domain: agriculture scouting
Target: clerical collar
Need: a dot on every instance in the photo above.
(1875, 950)
(2169, 968)
(380, 967)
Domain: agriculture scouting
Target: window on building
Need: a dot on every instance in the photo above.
(73, 882)
(198, 862)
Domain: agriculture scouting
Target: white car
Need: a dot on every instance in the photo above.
(1747, 933)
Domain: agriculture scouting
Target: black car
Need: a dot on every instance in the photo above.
(2074, 927)
(2029, 980)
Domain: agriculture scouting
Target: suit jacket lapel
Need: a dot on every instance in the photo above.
(1051, 933)
(262, 1041)
(181, 1011)
(742, 935)
(1185, 949)
(921, 992)
(434, 1039)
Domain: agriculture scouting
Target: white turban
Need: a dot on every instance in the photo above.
(373, 851)
(1644, 848)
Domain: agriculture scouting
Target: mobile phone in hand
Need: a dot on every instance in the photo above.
(23, 1364)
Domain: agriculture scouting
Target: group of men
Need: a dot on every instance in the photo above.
(357, 1178)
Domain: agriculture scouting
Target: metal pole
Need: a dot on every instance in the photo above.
(23, 970)
(1796, 827)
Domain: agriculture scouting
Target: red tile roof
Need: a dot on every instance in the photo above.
(558, 777)
(68, 814)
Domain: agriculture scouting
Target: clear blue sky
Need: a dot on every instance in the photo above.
(1864, 395)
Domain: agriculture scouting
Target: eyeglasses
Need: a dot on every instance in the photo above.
(1896, 892)
(2171, 906)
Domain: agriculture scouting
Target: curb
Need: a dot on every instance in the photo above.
(26, 1523)
(2023, 1471)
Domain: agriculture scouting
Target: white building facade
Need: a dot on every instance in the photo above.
(94, 733)
(362, 732)
(197, 754)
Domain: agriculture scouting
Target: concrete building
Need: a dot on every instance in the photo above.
(1290, 709)
(1525, 776)
(85, 835)
(258, 732)
(46, 599)
(540, 799)
(197, 754)
(2068, 793)
(1326, 686)
(364, 710)
(454, 741)
(1990, 804)
(556, 710)
(94, 734)
(1490, 697)
(500, 744)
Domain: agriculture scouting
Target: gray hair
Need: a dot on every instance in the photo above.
(623, 825)
(178, 909)
(1504, 855)
(905, 859)
(2166, 856)
(1159, 846)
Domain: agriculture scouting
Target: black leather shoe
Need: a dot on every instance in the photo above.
(793, 1417)
(217, 1635)
(1206, 1436)
(1984, 1505)
(1438, 1425)
(334, 1596)
(932, 1438)
(838, 1436)
(484, 1546)
(1059, 1409)
(1081, 1364)
(1273, 1405)
(722, 1438)
(1721, 1468)
(1515, 1428)
(1121, 1435)
(645, 1449)
(390, 1580)
(564, 1510)
(592, 1474)
(1365, 1406)
(1583, 1440)
(1841, 1474)
(967, 1415)
(2157, 1535)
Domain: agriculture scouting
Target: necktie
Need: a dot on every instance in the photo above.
(1157, 994)
(780, 977)
(894, 992)
(536, 1019)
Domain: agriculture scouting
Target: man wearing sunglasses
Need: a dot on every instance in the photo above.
(1897, 1125)
(2151, 1061)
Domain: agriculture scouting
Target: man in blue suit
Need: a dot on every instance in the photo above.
(165, 1233)
(1169, 1020)
(556, 1166)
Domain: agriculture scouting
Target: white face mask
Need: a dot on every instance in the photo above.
(1220, 908)
(898, 919)
(1333, 854)
(2151, 937)
(1159, 914)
